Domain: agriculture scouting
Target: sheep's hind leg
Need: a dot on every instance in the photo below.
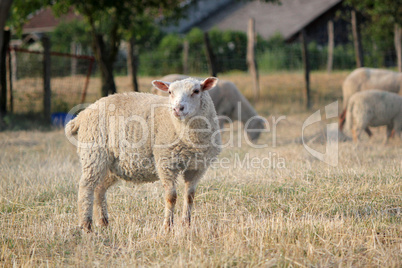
(91, 176)
(342, 118)
(191, 178)
(389, 134)
(100, 204)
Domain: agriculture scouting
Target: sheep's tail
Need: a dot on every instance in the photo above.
(342, 118)
(72, 127)
(349, 116)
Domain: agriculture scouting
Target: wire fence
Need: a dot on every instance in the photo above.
(70, 76)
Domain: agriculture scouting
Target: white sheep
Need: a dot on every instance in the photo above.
(374, 108)
(365, 79)
(226, 98)
(142, 137)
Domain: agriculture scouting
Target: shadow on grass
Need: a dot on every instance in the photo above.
(29, 121)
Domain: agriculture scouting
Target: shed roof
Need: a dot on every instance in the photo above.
(287, 18)
(45, 21)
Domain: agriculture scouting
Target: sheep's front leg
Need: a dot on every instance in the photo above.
(100, 205)
(168, 178)
(170, 201)
(191, 178)
(356, 134)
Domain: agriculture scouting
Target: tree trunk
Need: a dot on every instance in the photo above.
(331, 44)
(210, 56)
(5, 6)
(357, 40)
(132, 64)
(398, 46)
(105, 66)
(306, 64)
(3, 72)
(251, 62)
(46, 77)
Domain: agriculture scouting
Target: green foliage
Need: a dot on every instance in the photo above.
(67, 32)
(170, 49)
(377, 29)
(197, 61)
(146, 33)
(229, 48)
(280, 56)
(111, 21)
(379, 10)
(21, 9)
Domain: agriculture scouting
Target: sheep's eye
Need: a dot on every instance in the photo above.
(170, 92)
(196, 91)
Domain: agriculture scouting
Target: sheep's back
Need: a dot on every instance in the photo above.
(363, 79)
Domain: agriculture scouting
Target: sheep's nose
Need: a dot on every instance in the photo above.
(179, 108)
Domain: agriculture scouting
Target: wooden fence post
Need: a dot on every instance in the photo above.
(3, 73)
(210, 56)
(74, 61)
(251, 62)
(14, 64)
(357, 40)
(89, 72)
(331, 44)
(306, 65)
(10, 80)
(398, 45)
(46, 77)
(186, 48)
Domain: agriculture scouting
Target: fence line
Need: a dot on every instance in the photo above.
(69, 86)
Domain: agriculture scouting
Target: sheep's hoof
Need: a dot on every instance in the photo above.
(103, 222)
(87, 226)
(186, 222)
(168, 226)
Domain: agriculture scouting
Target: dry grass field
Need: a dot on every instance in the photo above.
(291, 211)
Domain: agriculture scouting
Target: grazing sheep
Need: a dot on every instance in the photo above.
(374, 108)
(366, 79)
(226, 98)
(142, 137)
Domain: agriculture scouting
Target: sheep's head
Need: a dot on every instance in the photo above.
(255, 124)
(185, 95)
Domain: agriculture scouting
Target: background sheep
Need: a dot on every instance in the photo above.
(374, 108)
(226, 97)
(142, 137)
(366, 79)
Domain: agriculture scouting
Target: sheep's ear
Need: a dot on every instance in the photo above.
(164, 86)
(209, 83)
